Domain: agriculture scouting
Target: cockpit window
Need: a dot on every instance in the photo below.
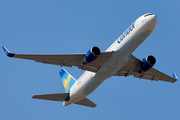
(148, 14)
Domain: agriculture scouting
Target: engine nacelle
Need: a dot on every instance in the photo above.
(147, 63)
(91, 55)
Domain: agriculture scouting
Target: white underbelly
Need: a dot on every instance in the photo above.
(117, 61)
(89, 81)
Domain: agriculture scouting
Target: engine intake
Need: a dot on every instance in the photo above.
(91, 55)
(147, 63)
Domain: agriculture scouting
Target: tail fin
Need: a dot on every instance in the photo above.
(67, 79)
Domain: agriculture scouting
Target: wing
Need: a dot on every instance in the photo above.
(67, 60)
(133, 66)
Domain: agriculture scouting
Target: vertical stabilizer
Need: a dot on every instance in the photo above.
(67, 79)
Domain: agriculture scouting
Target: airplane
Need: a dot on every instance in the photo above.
(117, 60)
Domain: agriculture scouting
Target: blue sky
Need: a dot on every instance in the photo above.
(62, 27)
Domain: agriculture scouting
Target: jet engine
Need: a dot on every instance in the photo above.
(91, 55)
(147, 63)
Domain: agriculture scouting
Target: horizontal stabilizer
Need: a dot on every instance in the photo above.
(54, 97)
(86, 102)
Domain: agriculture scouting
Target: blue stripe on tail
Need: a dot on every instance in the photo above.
(67, 79)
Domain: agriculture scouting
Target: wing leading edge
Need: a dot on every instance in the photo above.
(67, 60)
(132, 67)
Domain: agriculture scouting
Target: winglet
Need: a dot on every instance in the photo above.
(175, 76)
(9, 54)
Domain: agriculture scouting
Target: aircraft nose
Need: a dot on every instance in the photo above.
(152, 21)
(150, 17)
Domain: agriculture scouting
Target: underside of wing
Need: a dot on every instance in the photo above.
(67, 60)
(97, 63)
(132, 67)
(56, 59)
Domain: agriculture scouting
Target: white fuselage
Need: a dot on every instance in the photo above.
(122, 48)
